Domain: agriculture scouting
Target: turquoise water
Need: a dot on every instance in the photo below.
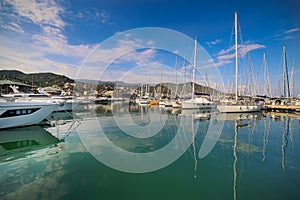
(257, 156)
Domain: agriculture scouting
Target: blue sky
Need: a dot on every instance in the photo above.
(63, 36)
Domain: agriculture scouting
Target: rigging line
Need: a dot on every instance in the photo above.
(251, 77)
(292, 84)
(279, 75)
(226, 64)
(241, 57)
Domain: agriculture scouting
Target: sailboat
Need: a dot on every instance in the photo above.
(196, 102)
(235, 106)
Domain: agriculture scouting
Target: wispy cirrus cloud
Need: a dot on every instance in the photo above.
(226, 56)
(292, 30)
(247, 47)
(288, 34)
(139, 57)
(117, 57)
(213, 43)
(93, 15)
(12, 27)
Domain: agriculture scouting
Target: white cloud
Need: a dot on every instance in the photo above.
(292, 30)
(29, 58)
(150, 42)
(125, 54)
(94, 15)
(39, 12)
(12, 27)
(224, 51)
(103, 15)
(139, 57)
(245, 48)
(287, 34)
(120, 50)
(225, 56)
(44, 47)
(215, 42)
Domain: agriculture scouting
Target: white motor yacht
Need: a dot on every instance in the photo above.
(198, 103)
(65, 103)
(15, 114)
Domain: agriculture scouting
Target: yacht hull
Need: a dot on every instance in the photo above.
(197, 106)
(13, 114)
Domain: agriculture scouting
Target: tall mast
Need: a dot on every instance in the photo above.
(236, 55)
(286, 87)
(292, 79)
(194, 70)
(265, 75)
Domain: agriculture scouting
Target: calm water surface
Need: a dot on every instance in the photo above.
(257, 156)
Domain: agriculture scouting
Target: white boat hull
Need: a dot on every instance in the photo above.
(144, 102)
(168, 104)
(14, 114)
(198, 103)
(162, 103)
(238, 108)
(191, 105)
(176, 104)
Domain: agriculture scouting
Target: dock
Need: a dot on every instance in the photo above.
(283, 108)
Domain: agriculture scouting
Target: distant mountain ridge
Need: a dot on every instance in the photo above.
(121, 83)
(36, 79)
(48, 79)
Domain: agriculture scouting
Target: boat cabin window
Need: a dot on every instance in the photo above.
(17, 112)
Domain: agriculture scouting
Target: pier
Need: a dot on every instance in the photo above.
(284, 108)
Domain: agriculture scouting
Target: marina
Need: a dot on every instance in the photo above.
(149, 100)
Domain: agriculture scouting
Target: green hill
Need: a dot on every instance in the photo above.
(10, 74)
(36, 79)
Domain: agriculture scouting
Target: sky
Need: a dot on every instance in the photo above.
(111, 40)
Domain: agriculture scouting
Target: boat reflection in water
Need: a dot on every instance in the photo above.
(239, 120)
(264, 130)
(22, 142)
